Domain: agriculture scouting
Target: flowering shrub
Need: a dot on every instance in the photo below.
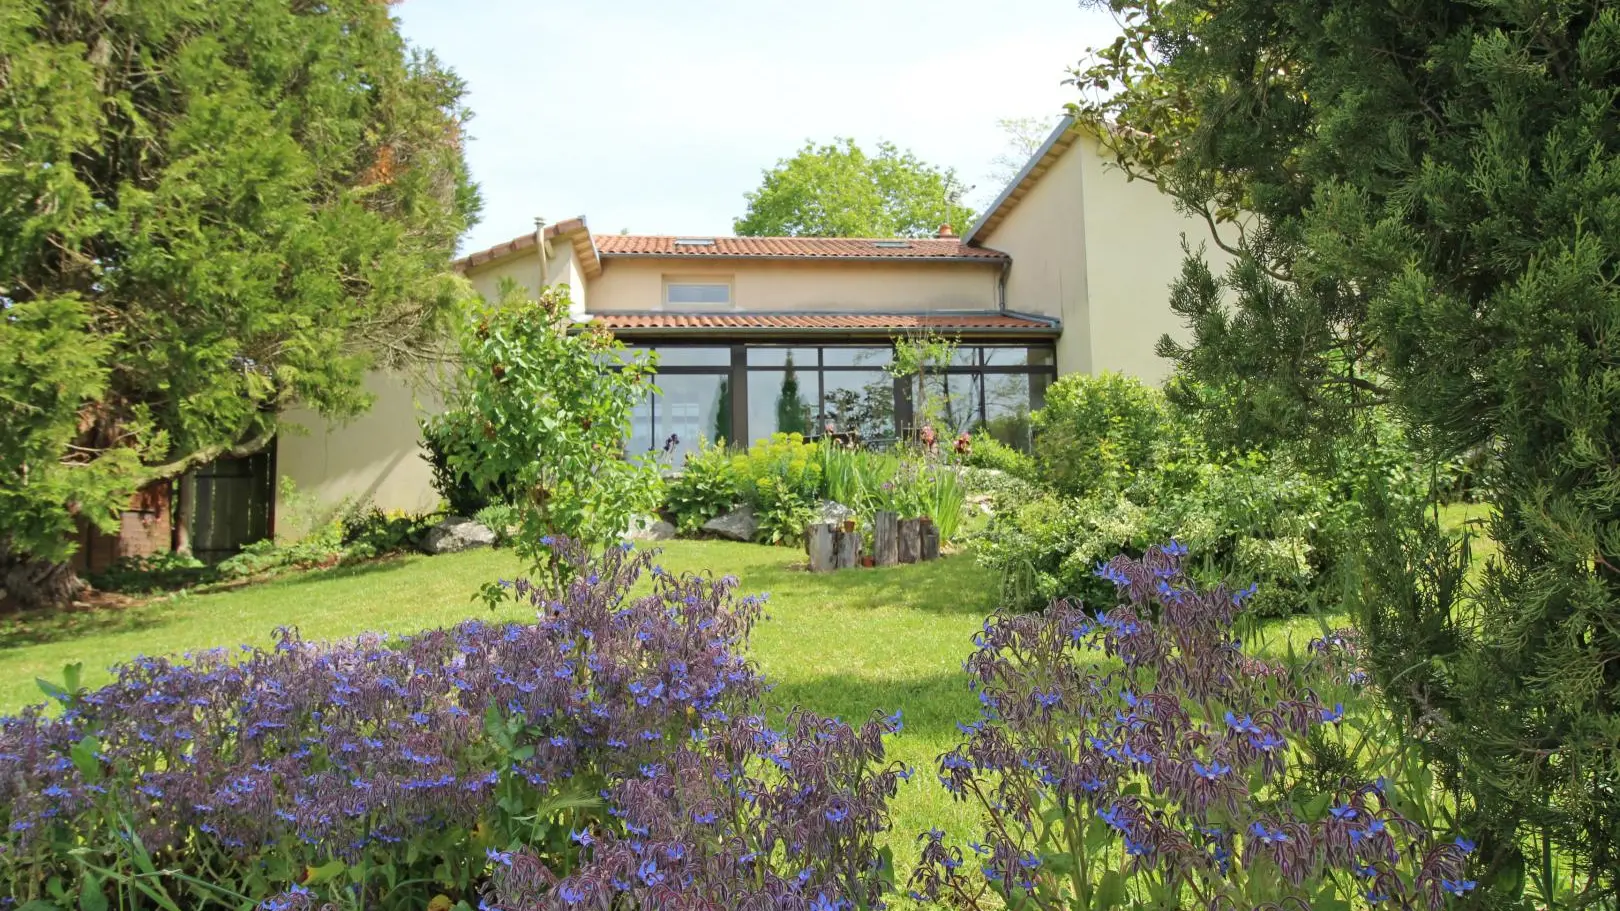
(378, 769)
(745, 817)
(781, 478)
(1139, 758)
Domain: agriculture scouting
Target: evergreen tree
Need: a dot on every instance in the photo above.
(217, 211)
(722, 413)
(1424, 204)
(792, 414)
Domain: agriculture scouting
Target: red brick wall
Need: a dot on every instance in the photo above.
(145, 528)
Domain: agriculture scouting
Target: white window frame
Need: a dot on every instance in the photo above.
(706, 281)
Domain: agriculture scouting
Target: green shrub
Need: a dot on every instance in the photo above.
(708, 485)
(500, 518)
(1096, 432)
(781, 478)
(158, 572)
(1249, 518)
(454, 433)
(319, 550)
(987, 452)
(371, 532)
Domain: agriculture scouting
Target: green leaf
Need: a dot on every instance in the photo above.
(91, 896)
(52, 691)
(84, 759)
(1111, 891)
(325, 872)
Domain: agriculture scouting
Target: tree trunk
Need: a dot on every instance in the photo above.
(846, 549)
(818, 545)
(928, 535)
(886, 539)
(31, 584)
(185, 501)
(910, 540)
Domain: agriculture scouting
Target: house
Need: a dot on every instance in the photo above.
(1067, 271)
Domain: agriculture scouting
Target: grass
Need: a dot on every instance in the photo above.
(845, 644)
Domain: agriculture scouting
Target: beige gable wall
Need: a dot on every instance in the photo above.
(1133, 245)
(1046, 237)
(773, 285)
(563, 268)
(376, 457)
(1101, 252)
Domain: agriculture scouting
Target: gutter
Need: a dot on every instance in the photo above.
(701, 257)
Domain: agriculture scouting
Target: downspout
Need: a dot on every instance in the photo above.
(1001, 285)
(545, 254)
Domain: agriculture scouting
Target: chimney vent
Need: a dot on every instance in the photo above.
(945, 233)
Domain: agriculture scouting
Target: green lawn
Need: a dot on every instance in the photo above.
(845, 644)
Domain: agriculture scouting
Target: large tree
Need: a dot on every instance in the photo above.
(210, 210)
(837, 190)
(1423, 200)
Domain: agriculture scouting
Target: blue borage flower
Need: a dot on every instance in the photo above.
(1167, 726)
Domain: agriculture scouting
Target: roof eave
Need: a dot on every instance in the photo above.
(997, 258)
(994, 213)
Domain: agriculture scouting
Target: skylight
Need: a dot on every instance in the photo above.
(894, 244)
(694, 241)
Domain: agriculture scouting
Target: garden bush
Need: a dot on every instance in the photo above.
(1248, 517)
(986, 452)
(709, 484)
(157, 572)
(1138, 758)
(1097, 433)
(781, 478)
(376, 771)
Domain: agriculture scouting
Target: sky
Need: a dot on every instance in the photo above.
(656, 116)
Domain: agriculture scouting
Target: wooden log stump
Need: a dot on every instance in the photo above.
(818, 544)
(910, 540)
(929, 535)
(846, 549)
(886, 539)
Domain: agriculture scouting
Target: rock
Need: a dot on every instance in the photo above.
(455, 535)
(981, 502)
(738, 525)
(833, 513)
(649, 528)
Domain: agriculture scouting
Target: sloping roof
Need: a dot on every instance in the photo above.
(1045, 157)
(924, 248)
(574, 229)
(787, 323)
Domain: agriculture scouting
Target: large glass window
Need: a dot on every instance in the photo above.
(748, 392)
(859, 402)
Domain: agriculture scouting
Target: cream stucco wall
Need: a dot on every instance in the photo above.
(1133, 249)
(375, 457)
(563, 268)
(1101, 252)
(774, 285)
(1046, 237)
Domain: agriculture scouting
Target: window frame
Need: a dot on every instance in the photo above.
(700, 281)
(811, 378)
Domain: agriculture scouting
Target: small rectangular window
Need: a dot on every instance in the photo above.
(694, 241)
(697, 293)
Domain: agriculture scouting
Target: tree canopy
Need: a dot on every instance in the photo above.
(212, 211)
(1424, 204)
(837, 190)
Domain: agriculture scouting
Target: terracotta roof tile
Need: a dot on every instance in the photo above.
(877, 323)
(793, 247)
